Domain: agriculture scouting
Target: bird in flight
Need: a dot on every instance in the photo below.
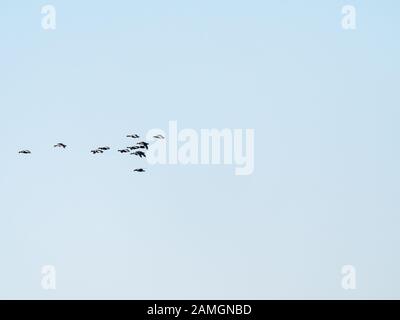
(139, 170)
(124, 151)
(103, 148)
(159, 136)
(139, 154)
(97, 151)
(134, 148)
(133, 136)
(25, 152)
(60, 145)
(143, 144)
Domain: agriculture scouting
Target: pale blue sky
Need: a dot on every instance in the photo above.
(324, 103)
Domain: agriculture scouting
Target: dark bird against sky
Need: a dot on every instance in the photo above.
(139, 154)
(143, 144)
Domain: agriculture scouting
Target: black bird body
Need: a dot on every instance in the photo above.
(25, 152)
(124, 151)
(139, 170)
(133, 136)
(103, 148)
(97, 151)
(60, 145)
(143, 145)
(139, 154)
(159, 136)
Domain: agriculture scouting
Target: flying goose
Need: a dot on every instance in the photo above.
(97, 151)
(60, 145)
(143, 145)
(139, 154)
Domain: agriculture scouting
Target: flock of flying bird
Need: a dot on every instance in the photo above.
(137, 150)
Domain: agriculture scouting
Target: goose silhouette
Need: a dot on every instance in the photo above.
(139, 154)
(60, 145)
(143, 145)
